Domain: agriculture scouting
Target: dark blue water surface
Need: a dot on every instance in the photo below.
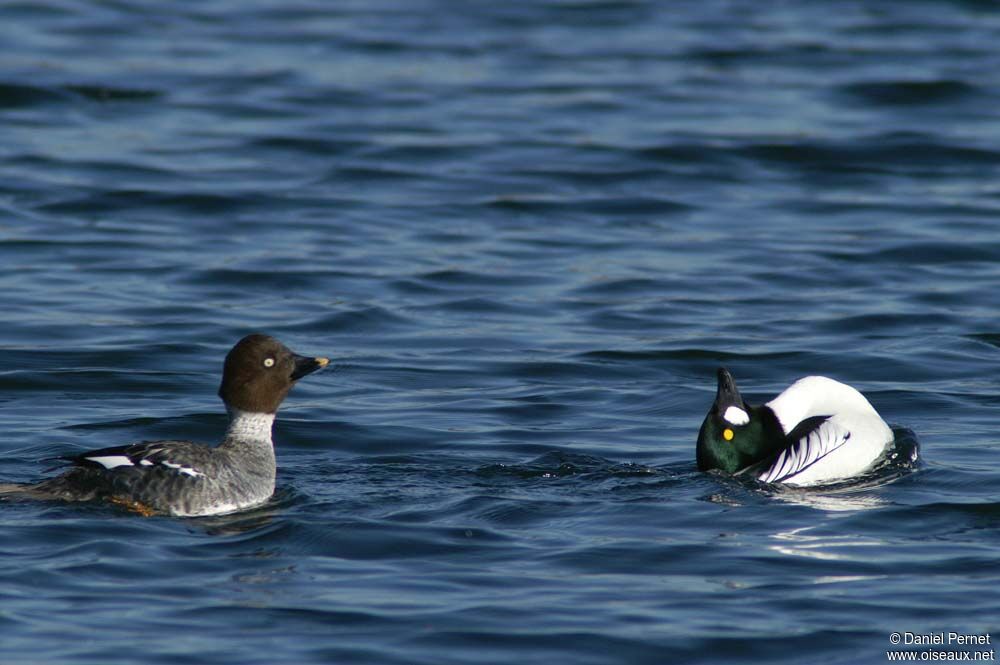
(527, 234)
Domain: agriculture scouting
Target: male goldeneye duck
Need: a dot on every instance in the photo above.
(187, 479)
(816, 431)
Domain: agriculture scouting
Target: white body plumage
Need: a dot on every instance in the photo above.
(851, 439)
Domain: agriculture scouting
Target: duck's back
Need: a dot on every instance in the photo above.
(847, 411)
(180, 478)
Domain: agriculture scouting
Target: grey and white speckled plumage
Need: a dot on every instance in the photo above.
(186, 479)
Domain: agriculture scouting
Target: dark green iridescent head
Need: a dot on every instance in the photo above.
(734, 434)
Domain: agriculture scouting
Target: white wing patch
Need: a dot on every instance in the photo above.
(115, 461)
(805, 452)
(734, 415)
(194, 473)
(111, 461)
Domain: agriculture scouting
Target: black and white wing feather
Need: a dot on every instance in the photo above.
(166, 476)
(180, 457)
(810, 441)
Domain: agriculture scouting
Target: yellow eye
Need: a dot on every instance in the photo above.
(268, 362)
(727, 434)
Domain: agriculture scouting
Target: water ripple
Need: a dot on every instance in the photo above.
(527, 233)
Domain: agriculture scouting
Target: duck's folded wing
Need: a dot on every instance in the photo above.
(810, 441)
(178, 456)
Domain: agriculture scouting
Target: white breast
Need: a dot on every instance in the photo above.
(849, 411)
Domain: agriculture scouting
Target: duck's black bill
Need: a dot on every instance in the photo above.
(305, 365)
(728, 394)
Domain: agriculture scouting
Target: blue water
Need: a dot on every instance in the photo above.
(527, 234)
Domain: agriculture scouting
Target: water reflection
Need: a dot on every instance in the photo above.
(837, 547)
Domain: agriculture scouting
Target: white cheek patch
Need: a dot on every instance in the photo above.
(111, 461)
(734, 415)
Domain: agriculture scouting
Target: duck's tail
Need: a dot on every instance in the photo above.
(75, 485)
(14, 490)
(32, 491)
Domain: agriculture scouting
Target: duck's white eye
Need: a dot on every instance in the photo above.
(268, 362)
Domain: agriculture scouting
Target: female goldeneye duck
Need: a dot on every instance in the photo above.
(187, 479)
(816, 431)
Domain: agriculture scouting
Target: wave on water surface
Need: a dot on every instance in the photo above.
(526, 233)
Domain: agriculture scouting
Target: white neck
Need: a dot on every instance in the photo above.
(249, 426)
